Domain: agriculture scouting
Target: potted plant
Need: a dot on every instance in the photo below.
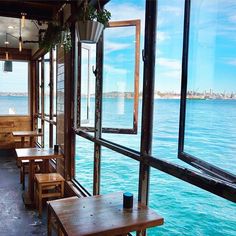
(55, 35)
(91, 22)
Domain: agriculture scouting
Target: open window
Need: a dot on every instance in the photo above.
(14, 89)
(120, 80)
(208, 115)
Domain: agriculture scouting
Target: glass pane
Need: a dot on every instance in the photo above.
(210, 132)
(188, 210)
(55, 84)
(46, 88)
(39, 99)
(46, 134)
(118, 173)
(54, 134)
(88, 63)
(118, 85)
(168, 79)
(84, 163)
(39, 126)
(14, 95)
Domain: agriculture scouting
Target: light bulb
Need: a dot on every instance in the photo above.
(23, 20)
(20, 44)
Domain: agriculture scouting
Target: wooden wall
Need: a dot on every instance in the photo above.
(9, 124)
(60, 105)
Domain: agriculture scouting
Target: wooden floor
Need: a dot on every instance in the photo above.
(15, 219)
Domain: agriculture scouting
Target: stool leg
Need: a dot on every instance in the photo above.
(62, 189)
(59, 231)
(36, 195)
(40, 200)
(23, 176)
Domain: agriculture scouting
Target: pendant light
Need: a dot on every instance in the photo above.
(7, 63)
(20, 39)
(6, 43)
(23, 19)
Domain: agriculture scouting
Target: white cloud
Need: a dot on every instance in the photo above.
(231, 62)
(112, 46)
(127, 11)
(177, 11)
(162, 36)
(171, 64)
(168, 68)
(114, 71)
(175, 74)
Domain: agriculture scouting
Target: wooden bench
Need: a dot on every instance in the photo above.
(8, 124)
(6, 139)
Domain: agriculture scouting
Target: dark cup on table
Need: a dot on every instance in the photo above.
(128, 200)
(56, 148)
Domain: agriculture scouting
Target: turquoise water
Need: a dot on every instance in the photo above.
(187, 210)
(18, 104)
(211, 134)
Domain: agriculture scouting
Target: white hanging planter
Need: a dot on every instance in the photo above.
(89, 31)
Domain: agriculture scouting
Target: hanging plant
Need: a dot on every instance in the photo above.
(56, 35)
(91, 22)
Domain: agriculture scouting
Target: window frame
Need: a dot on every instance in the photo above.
(134, 129)
(48, 118)
(144, 156)
(205, 167)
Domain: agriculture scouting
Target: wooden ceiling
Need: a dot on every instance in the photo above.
(35, 10)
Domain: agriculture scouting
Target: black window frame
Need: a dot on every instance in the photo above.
(205, 167)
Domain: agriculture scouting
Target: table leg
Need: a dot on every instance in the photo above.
(46, 166)
(31, 180)
(141, 233)
(22, 142)
(31, 141)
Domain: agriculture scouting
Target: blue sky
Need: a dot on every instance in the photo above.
(212, 61)
(15, 81)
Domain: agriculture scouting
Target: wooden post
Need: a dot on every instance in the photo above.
(148, 96)
(51, 86)
(98, 116)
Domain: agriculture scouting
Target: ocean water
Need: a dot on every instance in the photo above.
(14, 104)
(210, 135)
(187, 210)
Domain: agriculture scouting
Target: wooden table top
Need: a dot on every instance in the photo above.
(48, 178)
(102, 215)
(26, 133)
(36, 153)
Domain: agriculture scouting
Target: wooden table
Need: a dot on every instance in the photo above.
(32, 154)
(24, 134)
(100, 215)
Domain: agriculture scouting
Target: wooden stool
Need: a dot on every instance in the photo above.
(24, 169)
(47, 186)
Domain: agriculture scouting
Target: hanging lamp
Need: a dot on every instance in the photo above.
(7, 64)
(20, 39)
